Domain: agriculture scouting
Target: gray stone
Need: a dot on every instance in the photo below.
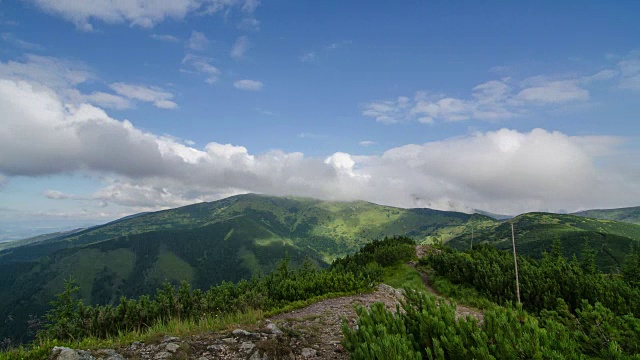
(240, 332)
(255, 356)
(172, 347)
(247, 346)
(162, 355)
(170, 339)
(217, 347)
(274, 329)
(308, 352)
(229, 340)
(108, 354)
(65, 353)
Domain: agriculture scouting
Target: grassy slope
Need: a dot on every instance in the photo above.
(631, 214)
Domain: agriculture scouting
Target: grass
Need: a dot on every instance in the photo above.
(403, 275)
(461, 294)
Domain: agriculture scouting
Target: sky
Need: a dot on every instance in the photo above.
(109, 108)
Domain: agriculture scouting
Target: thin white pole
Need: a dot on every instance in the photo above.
(515, 261)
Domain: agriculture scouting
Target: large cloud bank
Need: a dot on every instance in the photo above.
(507, 171)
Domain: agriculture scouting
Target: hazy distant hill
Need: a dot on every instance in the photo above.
(630, 214)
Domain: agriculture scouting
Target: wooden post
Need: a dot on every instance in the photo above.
(515, 261)
(471, 237)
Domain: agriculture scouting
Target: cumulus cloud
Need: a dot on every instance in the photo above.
(158, 97)
(198, 41)
(239, 48)
(504, 171)
(201, 65)
(143, 13)
(249, 85)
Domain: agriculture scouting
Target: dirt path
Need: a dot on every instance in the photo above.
(461, 310)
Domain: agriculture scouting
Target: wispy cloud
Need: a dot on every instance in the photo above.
(198, 41)
(367, 143)
(164, 37)
(239, 48)
(15, 41)
(249, 24)
(201, 65)
(143, 13)
(308, 57)
(249, 85)
(158, 97)
(490, 101)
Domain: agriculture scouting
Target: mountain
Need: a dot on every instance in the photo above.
(630, 214)
(206, 243)
(37, 239)
(535, 232)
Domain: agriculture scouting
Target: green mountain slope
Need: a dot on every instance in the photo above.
(630, 214)
(206, 244)
(535, 232)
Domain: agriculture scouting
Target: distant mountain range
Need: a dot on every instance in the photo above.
(247, 235)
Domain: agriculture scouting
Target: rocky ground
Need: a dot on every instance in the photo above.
(313, 332)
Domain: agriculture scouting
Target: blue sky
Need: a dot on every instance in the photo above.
(113, 108)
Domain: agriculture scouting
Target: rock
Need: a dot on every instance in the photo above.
(172, 347)
(247, 346)
(202, 358)
(65, 353)
(170, 339)
(308, 352)
(108, 354)
(256, 356)
(217, 347)
(339, 349)
(274, 329)
(229, 340)
(240, 332)
(162, 355)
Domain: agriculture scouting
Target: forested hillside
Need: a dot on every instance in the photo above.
(535, 232)
(205, 244)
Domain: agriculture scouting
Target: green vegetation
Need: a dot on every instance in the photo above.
(630, 214)
(205, 244)
(173, 309)
(569, 311)
(535, 232)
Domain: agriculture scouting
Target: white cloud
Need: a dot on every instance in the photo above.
(107, 100)
(249, 24)
(250, 85)
(491, 101)
(367, 143)
(167, 38)
(143, 13)
(201, 65)
(250, 6)
(56, 195)
(239, 48)
(504, 171)
(158, 97)
(198, 41)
